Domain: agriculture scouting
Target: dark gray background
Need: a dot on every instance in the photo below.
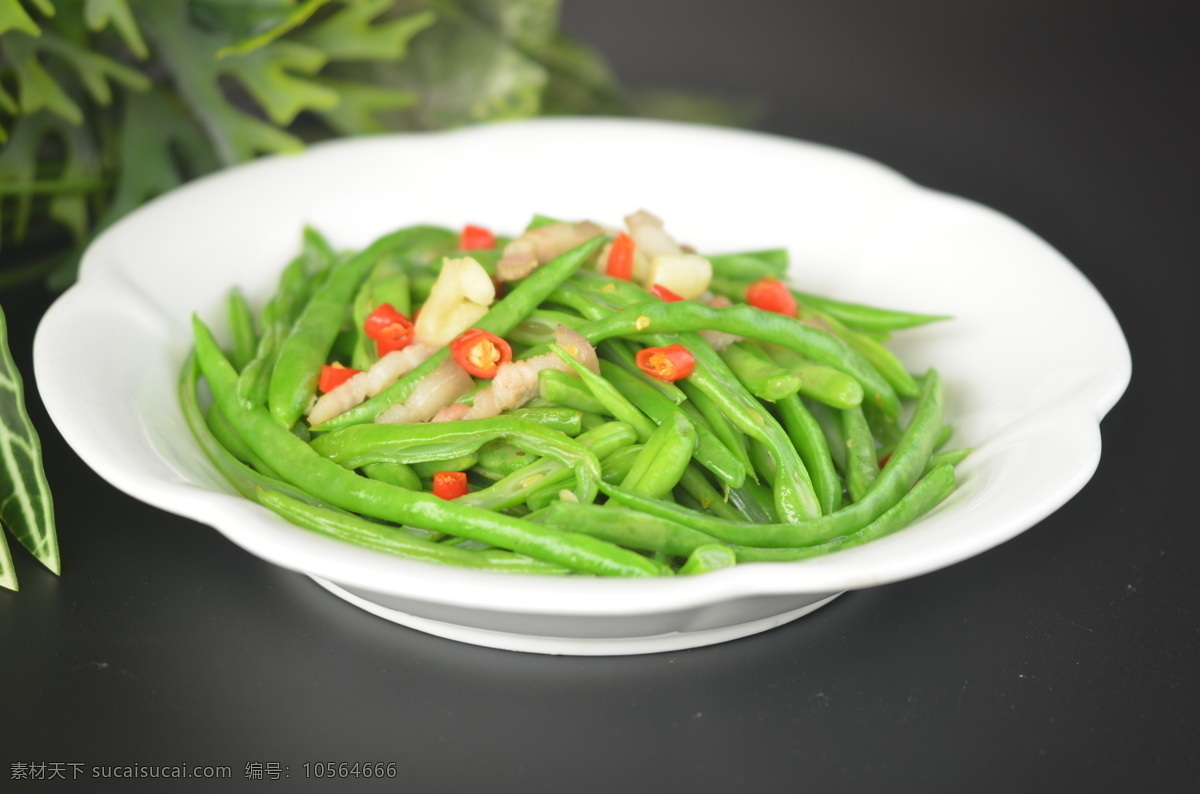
(1066, 657)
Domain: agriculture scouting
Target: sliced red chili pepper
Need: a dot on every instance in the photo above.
(473, 237)
(772, 295)
(659, 291)
(670, 363)
(334, 375)
(449, 484)
(620, 257)
(480, 353)
(390, 329)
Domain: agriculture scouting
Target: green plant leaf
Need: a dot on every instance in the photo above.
(188, 55)
(94, 69)
(25, 504)
(36, 89)
(18, 169)
(352, 34)
(13, 16)
(358, 112)
(270, 73)
(464, 70)
(99, 14)
(8, 572)
(293, 20)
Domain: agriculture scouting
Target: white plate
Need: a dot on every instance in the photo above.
(1032, 362)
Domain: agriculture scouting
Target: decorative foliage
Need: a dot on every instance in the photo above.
(106, 103)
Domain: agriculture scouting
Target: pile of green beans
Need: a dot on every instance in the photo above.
(804, 437)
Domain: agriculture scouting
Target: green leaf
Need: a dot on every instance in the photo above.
(352, 35)
(25, 504)
(238, 19)
(361, 103)
(8, 573)
(270, 74)
(7, 103)
(293, 20)
(36, 89)
(18, 168)
(187, 55)
(45, 6)
(99, 14)
(13, 16)
(152, 130)
(464, 70)
(93, 68)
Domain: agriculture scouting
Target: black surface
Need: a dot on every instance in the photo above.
(1065, 658)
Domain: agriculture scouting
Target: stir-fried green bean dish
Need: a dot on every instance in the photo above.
(572, 400)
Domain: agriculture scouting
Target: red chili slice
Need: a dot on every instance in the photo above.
(659, 291)
(390, 329)
(670, 363)
(474, 237)
(334, 375)
(620, 257)
(449, 484)
(480, 353)
(772, 295)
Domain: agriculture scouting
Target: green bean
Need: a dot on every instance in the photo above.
(950, 456)
(387, 283)
(727, 433)
(514, 488)
(764, 464)
(867, 318)
(794, 497)
(294, 379)
(567, 390)
(425, 469)
(500, 457)
(861, 461)
(827, 421)
(614, 469)
(880, 358)
(624, 527)
(764, 378)
(750, 265)
(932, 489)
(241, 326)
(224, 433)
(357, 445)
(615, 404)
(567, 421)
(619, 352)
(696, 485)
(242, 477)
(806, 435)
(332, 483)
(500, 319)
(279, 313)
(944, 436)
(710, 452)
(754, 502)
(397, 474)
(709, 558)
(539, 327)
(370, 535)
(818, 381)
(747, 321)
(664, 458)
(902, 470)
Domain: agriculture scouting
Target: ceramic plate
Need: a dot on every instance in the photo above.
(1032, 361)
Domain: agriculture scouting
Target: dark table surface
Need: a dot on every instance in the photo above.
(1066, 657)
